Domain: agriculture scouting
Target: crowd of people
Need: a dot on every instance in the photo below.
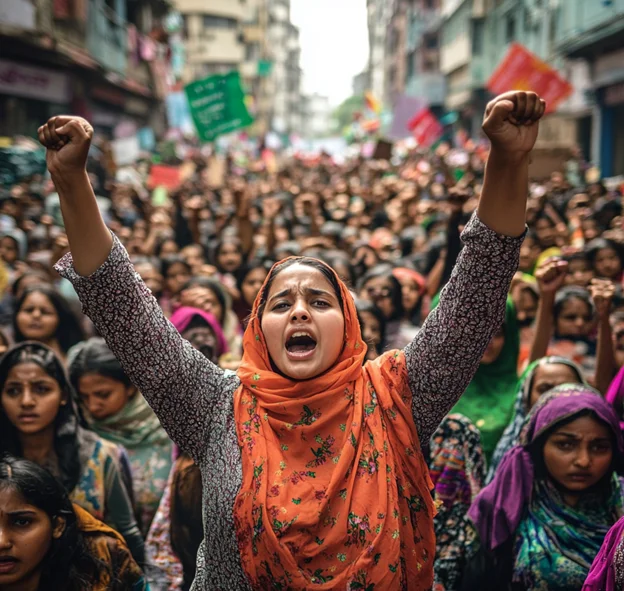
(520, 477)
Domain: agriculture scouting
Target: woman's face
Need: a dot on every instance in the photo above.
(410, 292)
(545, 231)
(194, 256)
(177, 275)
(8, 250)
(229, 258)
(371, 329)
(151, 277)
(607, 264)
(26, 533)
(252, 284)
(590, 229)
(207, 300)
(303, 323)
(526, 302)
(37, 319)
(575, 319)
(579, 454)
(204, 340)
(169, 248)
(102, 396)
(549, 376)
(529, 252)
(579, 273)
(495, 347)
(379, 291)
(31, 398)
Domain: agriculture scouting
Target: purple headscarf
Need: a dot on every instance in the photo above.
(615, 395)
(498, 508)
(601, 576)
(182, 317)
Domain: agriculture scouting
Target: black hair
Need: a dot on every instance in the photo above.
(69, 563)
(396, 292)
(69, 332)
(248, 267)
(215, 287)
(536, 447)
(308, 262)
(168, 262)
(94, 357)
(161, 243)
(577, 256)
(364, 306)
(221, 243)
(335, 258)
(598, 244)
(67, 420)
(568, 293)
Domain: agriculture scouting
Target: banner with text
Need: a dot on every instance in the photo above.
(217, 105)
(522, 70)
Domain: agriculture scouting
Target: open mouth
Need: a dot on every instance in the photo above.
(7, 564)
(300, 345)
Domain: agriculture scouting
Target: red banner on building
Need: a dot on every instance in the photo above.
(425, 127)
(522, 70)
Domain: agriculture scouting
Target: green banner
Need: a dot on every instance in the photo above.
(217, 105)
(265, 67)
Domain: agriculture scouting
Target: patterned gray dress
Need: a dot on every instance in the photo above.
(194, 399)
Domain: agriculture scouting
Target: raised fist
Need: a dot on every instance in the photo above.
(67, 140)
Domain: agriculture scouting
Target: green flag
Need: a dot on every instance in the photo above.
(217, 105)
(265, 68)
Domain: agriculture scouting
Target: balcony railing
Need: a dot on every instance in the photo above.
(107, 37)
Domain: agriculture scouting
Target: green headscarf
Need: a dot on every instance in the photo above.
(489, 399)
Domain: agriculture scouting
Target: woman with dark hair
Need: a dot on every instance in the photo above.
(43, 315)
(542, 520)
(38, 421)
(117, 412)
(311, 462)
(229, 255)
(605, 257)
(249, 280)
(607, 571)
(414, 287)
(373, 326)
(49, 544)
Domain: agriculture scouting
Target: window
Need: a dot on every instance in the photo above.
(219, 22)
(478, 30)
(510, 28)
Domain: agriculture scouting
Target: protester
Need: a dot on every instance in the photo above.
(543, 518)
(117, 412)
(607, 571)
(50, 544)
(39, 421)
(301, 305)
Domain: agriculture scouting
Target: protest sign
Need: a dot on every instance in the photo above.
(217, 105)
(164, 176)
(126, 150)
(425, 127)
(522, 70)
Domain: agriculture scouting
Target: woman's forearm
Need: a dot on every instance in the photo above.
(502, 206)
(605, 357)
(543, 328)
(89, 239)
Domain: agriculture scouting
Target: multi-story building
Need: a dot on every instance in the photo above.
(396, 46)
(317, 115)
(423, 76)
(360, 83)
(378, 11)
(102, 59)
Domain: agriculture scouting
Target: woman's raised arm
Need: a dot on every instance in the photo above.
(446, 353)
(180, 384)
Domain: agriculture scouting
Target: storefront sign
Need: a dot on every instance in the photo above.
(31, 82)
(217, 105)
(522, 70)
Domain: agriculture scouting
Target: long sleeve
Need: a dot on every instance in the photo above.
(444, 356)
(179, 383)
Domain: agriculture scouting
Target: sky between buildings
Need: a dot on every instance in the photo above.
(334, 44)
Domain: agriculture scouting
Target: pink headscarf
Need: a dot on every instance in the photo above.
(182, 317)
(615, 396)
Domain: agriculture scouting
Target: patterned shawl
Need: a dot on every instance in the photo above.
(521, 408)
(335, 492)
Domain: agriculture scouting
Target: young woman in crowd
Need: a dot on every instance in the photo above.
(457, 469)
(373, 327)
(117, 412)
(43, 315)
(566, 496)
(48, 544)
(413, 288)
(606, 259)
(38, 421)
(256, 422)
(249, 280)
(540, 377)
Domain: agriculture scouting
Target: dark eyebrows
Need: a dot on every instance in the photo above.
(281, 294)
(22, 512)
(576, 438)
(308, 291)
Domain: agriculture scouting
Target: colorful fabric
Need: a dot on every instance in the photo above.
(335, 492)
(521, 408)
(488, 400)
(603, 574)
(182, 317)
(497, 513)
(615, 396)
(110, 547)
(137, 428)
(555, 544)
(457, 469)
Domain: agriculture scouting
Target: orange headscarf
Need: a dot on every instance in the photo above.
(336, 492)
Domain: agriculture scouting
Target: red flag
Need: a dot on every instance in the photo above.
(164, 176)
(425, 127)
(522, 70)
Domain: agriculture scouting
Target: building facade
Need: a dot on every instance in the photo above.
(378, 17)
(317, 116)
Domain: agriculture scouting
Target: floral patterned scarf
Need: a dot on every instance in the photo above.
(336, 492)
